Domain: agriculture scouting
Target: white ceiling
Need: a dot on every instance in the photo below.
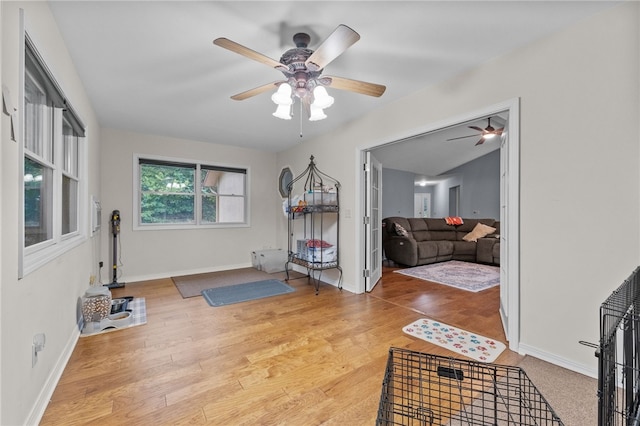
(151, 66)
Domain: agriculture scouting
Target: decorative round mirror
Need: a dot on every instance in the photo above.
(283, 181)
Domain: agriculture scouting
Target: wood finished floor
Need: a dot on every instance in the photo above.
(296, 359)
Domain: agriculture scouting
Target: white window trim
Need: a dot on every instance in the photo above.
(137, 226)
(34, 257)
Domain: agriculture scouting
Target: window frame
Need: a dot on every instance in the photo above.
(198, 222)
(38, 254)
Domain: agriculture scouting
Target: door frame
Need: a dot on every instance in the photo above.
(510, 308)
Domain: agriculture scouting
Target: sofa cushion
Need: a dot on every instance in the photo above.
(464, 250)
(427, 250)
(479, 231)
(445, 248)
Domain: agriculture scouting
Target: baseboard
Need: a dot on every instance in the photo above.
(39, 407)
(149, 277)
(559, 361)
(139, 278)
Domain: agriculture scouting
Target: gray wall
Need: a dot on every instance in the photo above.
(397, 193)
(479, 182)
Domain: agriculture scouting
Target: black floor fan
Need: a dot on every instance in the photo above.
(115, 230)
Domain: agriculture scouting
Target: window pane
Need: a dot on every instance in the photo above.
(231, 209)
(38, 135)
(69, 205)
(70, 155)
(167, 178)
(223, 198)
(209, 203)
(167, 208)
(167, 194)
(222, 182)
(38, 201)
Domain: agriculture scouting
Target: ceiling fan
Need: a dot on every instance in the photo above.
(302, 69)
(486, 133)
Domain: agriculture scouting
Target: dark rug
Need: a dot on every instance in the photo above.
(221, 296)
(192, 285)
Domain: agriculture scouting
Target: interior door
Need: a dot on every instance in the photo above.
(504, 228)
(422, 204)
(372, 221)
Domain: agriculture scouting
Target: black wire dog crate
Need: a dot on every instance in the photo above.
(425, 389)
(618, 358)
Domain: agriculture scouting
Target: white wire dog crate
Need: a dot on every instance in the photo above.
(424, 389)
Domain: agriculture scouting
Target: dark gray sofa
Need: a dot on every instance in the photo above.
(430, 240)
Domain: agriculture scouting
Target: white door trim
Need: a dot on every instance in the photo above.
(509, 309)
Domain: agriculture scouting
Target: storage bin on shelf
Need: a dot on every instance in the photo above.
(321, 198)
(269, 260)
(316, 251)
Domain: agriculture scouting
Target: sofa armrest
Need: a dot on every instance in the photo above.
(484, 249)
(402, 250)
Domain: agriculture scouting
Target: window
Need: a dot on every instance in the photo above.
(179, 193)
(52, 180)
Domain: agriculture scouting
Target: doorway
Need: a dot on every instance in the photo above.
(454, 200)
(422, 204)
(509, 209)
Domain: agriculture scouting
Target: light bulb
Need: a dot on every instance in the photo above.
(283, 112)
(316, 113)
(283, 95)
(489, 136)
(321, 98)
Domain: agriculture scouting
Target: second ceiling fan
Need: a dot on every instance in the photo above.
(486, 133)
(302, 69)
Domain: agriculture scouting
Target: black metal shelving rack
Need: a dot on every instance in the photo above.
(316, 215)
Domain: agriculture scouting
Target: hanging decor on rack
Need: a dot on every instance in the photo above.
(314, 224)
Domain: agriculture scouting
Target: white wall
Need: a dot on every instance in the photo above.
(579, 140)
(149, 254)
(44, 301)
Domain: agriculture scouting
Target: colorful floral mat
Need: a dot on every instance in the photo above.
(463, 342)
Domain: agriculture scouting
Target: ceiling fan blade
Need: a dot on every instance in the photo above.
(498, 131)
(333, 46)
(462, 137)
(480, 142)
(256, 91)
(248, 53)
(356, 86)
(477, 128)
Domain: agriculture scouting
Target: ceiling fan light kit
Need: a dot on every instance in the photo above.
(283, 98)
(302, 68)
